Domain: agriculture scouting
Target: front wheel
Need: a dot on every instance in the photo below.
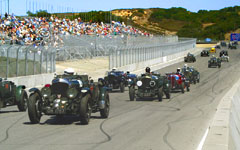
(182, 88)
(122, 87)
(34, 105)
(22, 104)
(160, 94)
(85, 109)
(168, 95)
(105, 112)
(132, 93)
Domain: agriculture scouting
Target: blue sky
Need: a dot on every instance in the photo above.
(19, 7)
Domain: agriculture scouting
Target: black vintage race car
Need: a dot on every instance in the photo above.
(214, 62)
(150, 85)
(116, 80)
(10, 95)
(232, 46)
(223, 52)
(69, 95)
(189, 58)
(223, 44)
(217, 47)
(204, 52)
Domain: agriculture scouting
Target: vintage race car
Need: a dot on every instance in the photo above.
(214, 62)
(204, 53)
(191, 74)
(69, 95)
(232, 46)
(224, 58)
(10, 95)
(178, 82)
(150, 85)
(189, 58)
(223, 52)
(223, 44)
(212, 50)
(116, 80)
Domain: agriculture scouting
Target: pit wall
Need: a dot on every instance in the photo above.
(33, 80)
(159, 63)
(224, 132)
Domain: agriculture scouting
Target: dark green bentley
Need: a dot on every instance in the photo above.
(69, 95)
(10, 94)
(149, 85)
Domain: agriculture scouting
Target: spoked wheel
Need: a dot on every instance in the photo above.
(85, 109)
(132, 93)
(160, 94)
(22, 104)
(105, 112)
(34, 108)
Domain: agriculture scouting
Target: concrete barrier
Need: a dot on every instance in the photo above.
(33, 80)
(159, 63)
(224, 131)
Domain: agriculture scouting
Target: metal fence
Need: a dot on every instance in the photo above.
(18, 60)
(88, 46)
(123, 56)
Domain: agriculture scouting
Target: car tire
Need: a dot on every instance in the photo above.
(122, 87)
(160, 94)
(188, 89)
(105, 112)
(168, 94)
(182, 88)
(132, 93)
(34, 111)
(22, 105)
(85, 110)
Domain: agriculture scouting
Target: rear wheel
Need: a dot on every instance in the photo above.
(85, 109)
(131, 93)
(105, 112)
(22, 104)
(182, 88)
(160, 94)
(168, 95)
(34, 112)
(122, 87)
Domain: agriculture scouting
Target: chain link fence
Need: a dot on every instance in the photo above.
(18, 60)
(123, 56)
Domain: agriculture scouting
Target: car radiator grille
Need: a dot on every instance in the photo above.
(60, 88)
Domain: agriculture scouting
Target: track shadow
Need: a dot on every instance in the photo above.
(8, 111)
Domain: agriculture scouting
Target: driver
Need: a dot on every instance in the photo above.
(114, 69)
(148, 71)
(69, 71)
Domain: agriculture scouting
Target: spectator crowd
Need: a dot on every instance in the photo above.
(37, 31)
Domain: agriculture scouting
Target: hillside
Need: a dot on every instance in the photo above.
(215, 24)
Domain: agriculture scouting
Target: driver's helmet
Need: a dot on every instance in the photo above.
(185, 66)
(128, 72)
(178, 70)
(69, 71)
(114, 69)
(188, 54)
(148, 70)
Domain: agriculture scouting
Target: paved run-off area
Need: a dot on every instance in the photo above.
(175, 124)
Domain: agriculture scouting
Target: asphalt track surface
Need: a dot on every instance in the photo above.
(175, 124)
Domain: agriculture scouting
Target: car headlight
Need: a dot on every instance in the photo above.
(139, 83)
(46, 92)
(72, 93)
(152, 83)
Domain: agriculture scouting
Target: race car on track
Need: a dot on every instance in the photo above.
(191, 74)
(10, 95)
(223, 52)
(214, 62)
(189, 58)
(69, 94)
(212, 50)
(224, 58)
(178, 82)
(204, 53)
(115, 80)
(150, 85)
